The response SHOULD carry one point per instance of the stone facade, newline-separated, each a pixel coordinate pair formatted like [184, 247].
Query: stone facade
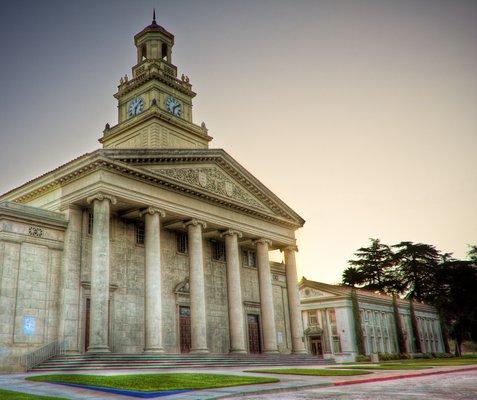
[327, 314]
[154, 243]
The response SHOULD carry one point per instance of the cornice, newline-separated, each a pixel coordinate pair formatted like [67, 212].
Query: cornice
[32, 214]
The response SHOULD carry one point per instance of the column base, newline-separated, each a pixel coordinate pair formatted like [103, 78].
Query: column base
[98, 350]
[271, 352]
[199, 351]
[238, 351]
[154, 350]
[299, 351]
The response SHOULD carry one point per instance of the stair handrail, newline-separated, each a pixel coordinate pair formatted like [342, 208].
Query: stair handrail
[37, 356]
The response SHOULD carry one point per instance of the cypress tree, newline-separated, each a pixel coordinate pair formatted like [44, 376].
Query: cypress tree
[415, 331]
[397, 321]
[357, 323]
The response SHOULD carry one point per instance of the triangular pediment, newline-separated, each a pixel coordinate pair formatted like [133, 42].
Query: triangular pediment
[309, 292]
[209, 174]
[212, 179]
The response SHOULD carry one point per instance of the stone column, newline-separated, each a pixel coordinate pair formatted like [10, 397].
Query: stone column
[99, 324]
[153, 286]
[296, 327]
[267, 313]
[234, 292]
[197, 288]
[70, 282]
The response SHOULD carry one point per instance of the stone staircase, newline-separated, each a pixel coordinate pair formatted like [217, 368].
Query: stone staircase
[145, 361]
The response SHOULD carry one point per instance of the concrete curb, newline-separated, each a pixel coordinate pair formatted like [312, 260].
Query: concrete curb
[342, 383]
[404, 376]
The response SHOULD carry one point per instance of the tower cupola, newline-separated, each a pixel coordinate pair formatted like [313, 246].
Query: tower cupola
[154, 43]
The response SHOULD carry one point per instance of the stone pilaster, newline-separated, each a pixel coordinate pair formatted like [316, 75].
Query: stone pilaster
[70, 282]
[197, 288]
[99, 324]
[234, 292]
[266, 297]
[153, 284]
[296, 327]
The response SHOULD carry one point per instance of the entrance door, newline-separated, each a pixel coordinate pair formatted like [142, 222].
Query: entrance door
[253, 334]
[184, 329]
[316, 346]
[86, 325]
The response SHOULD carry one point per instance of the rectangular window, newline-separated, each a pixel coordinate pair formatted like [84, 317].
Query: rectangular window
[249, 258]
[181, 242]
[218, 251]
[90, 223]
[312, 317]
[140, 233]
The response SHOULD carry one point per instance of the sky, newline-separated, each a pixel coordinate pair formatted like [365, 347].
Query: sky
[361, 115]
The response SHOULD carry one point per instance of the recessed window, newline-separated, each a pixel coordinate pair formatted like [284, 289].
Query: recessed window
[164, 51]
[249, 258]
[181, 242]
[140, 233]
[218, 251]
[312, 317]
[143, 52]
[90, 223]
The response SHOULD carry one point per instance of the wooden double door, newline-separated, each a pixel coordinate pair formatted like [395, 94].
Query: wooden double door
[253, 323]
[184, 329]
[316, 346]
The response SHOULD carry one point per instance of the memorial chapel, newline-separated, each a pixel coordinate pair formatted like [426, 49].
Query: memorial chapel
[154, 243]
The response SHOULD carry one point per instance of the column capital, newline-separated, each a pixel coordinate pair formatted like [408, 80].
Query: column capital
[231, 232]
[262, 241]
[100, 197]
[289, 248]
[195, 222]
[152, 211]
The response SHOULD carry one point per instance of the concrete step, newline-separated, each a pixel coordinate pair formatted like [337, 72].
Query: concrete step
[144, 361]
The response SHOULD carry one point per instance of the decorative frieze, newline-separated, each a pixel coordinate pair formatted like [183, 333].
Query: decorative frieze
[213, 180]
[35, 231]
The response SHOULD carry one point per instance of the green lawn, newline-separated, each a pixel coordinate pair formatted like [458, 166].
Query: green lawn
[310, 371]
[9, 395]
[435, 362]
[155, 382]
[385, 367]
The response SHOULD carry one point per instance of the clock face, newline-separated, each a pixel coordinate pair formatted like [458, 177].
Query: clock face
[135, 106]
[173, 106]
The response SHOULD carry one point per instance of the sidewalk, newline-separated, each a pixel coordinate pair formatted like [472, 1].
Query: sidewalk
[288, 383]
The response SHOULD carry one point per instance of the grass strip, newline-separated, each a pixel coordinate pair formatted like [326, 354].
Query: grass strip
[393, 367]
[11, 395]
[311, 371]
[155, 382]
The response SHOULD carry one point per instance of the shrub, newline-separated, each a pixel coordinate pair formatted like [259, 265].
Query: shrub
[393, 356]
[443, 355]
[361, 358]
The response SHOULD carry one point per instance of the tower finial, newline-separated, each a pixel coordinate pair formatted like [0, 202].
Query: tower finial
[154, 15]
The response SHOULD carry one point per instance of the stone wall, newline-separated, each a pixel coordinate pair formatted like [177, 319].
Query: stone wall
[30, 262]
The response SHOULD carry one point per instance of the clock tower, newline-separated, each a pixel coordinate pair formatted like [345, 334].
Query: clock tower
[154, 105]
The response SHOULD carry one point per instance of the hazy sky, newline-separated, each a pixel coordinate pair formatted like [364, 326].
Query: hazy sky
[361, 115]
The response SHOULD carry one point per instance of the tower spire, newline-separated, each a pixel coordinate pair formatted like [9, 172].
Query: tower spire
[154, 15]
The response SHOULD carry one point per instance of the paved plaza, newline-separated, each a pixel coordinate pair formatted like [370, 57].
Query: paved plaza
[455, 386]
[460, 384]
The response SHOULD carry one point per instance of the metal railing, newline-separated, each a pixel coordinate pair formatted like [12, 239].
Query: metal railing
[52, 349]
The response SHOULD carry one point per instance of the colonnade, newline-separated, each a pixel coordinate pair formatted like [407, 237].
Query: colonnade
[100, 271]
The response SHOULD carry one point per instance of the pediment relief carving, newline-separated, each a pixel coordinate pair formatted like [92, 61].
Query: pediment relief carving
[310, 292]
[210, 179]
